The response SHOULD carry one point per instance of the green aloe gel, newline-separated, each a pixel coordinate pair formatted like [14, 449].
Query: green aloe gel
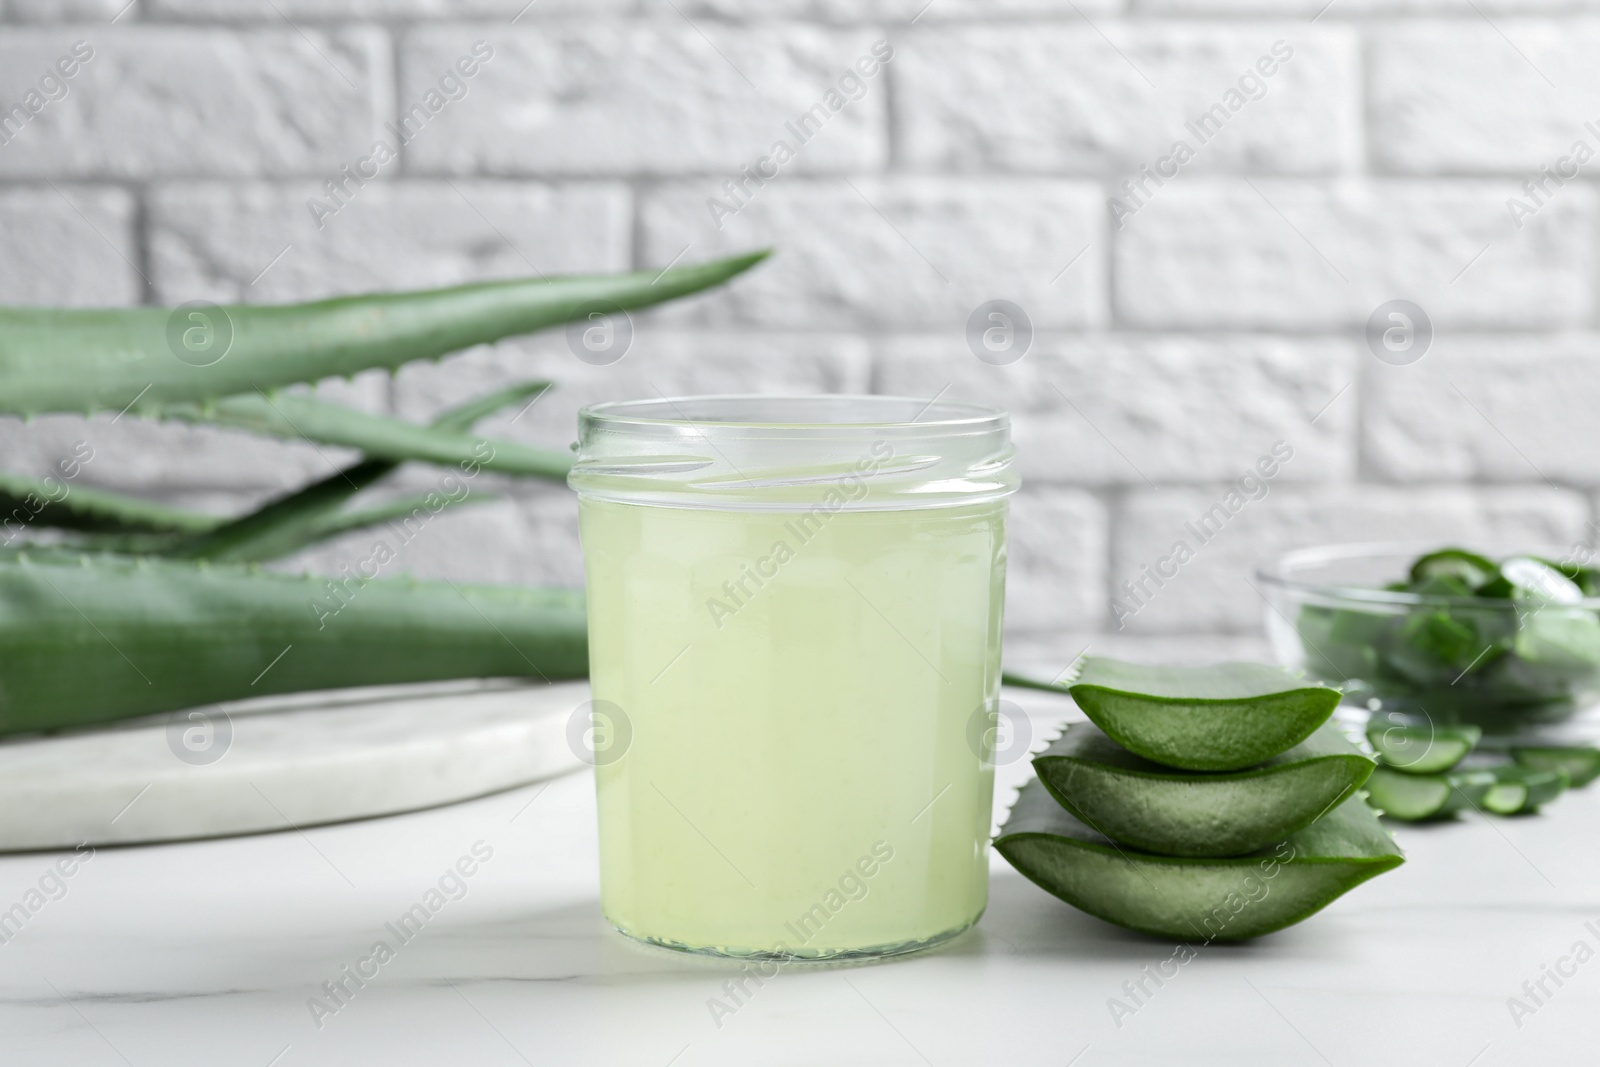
[1218, 718]
[1195, 899]
[1158, 809]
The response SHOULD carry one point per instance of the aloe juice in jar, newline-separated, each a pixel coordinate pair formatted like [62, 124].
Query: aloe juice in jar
[794, 657]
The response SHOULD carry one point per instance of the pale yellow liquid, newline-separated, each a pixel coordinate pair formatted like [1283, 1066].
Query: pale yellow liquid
[822, 731]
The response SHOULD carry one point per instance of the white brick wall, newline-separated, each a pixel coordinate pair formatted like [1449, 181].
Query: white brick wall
[1180, 331]
[651, 96]
[1477, 97]
[67, 245]
[898, 253]
[259, 242]
[1146, 409]
[171, 102]
[1244, 253]
[1131, 94]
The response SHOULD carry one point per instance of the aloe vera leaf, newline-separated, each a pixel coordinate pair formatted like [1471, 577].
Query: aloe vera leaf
[379, 436]
[1187, 898]
[1421, 749]
[276, 540]
[1468, 567]
[1587, 579]
[1506, 798]
[1581, 762]
[283, 525]
[107, 638]
[400, 508]
[1530, 578]
[1560, 640]
[83, 360]
[1179, 813]
[1518, 790]
[1218, 718]
[313, 513]
[1419, 797]
[1408, 797]
[66, 505]
[465, 416]
[1022, 681]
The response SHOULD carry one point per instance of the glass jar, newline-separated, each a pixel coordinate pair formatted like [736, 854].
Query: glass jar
[794, 640]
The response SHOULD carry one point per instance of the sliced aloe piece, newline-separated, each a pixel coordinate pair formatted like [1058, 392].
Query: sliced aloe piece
[1518, 790]
[1218, 718]
[1467, 567]
[1180, 813]
[1187, 898]
[1530, 578]
[1417, 797]
[1421, 749]
[1581, 762]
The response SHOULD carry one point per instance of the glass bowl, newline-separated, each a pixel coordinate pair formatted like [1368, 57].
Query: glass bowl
[1511, 666]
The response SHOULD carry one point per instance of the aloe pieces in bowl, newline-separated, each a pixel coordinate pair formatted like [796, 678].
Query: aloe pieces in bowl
[1225, 899]
[1501, 644]
[1178, 813]
[1422, 749]
[1222, 717]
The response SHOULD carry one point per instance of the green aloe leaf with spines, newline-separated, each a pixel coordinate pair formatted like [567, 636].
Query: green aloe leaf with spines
[1195, 899]
[1182, 813]
[414, 505]
[94, 639]
[64, 504]
[293, 417]
[316, 512]
[1221, 717]
[86, 360]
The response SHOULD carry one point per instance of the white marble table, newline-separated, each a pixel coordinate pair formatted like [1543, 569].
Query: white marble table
[207, 953]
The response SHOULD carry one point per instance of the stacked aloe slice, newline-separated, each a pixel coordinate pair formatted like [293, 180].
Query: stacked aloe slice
[1210, 803]
[1429, 772]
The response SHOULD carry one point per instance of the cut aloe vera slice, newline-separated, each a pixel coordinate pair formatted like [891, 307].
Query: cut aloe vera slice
[1218, 718]
[1418, 797]
[1470, 568]
[1421, 749]
[1181, 813]
[1195, 899]
[1581, 762]
[1517, 790]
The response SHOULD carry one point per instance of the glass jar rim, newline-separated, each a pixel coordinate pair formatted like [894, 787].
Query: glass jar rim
[754, 451]
[819, 413]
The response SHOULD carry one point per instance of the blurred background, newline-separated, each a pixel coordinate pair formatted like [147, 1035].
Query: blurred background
[1184, 242]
